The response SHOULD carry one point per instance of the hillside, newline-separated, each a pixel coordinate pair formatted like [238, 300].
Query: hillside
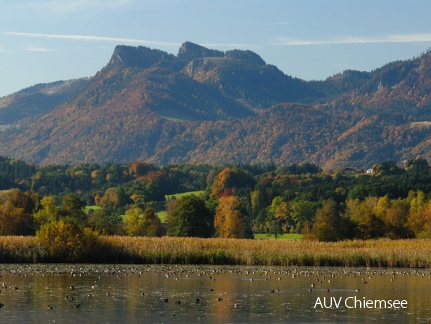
[37, 100]
[208, 106]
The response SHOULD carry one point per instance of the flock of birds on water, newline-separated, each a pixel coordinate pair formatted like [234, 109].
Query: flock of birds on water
[320, 278]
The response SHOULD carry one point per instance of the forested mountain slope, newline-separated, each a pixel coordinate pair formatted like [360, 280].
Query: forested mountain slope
[208, 106]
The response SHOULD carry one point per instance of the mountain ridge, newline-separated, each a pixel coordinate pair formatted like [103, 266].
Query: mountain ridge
[209, 106]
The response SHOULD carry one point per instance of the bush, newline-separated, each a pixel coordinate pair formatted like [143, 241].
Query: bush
[66, 241]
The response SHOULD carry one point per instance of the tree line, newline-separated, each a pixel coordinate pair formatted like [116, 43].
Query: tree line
[60, 202]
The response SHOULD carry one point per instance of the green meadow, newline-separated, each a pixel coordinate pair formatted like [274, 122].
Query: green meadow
[183, 194]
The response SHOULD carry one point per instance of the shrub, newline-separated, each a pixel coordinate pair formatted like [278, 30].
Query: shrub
[66, 241]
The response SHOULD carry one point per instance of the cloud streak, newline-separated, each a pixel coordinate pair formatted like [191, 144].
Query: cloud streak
[233, 45]
[88, 38]
[401, 38]
[91, 38]
[71, 5]
[279, 23]
[37, 49]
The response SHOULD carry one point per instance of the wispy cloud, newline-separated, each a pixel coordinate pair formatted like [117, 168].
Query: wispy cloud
[37, 49]
[230, 45]
[278, 23]
[91, 38]
[67, 6]
[400, 38]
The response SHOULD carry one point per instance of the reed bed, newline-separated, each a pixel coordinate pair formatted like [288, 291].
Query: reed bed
[177, 250]
[19, 249]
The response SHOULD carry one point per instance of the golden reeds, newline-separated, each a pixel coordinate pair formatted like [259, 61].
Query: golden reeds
[184, 250]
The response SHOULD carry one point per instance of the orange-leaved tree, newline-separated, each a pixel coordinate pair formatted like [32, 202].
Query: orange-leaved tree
[229, 220]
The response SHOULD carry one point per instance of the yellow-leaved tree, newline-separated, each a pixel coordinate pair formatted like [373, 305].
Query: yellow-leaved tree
[229, 221]
[142, 223]
[66, 241]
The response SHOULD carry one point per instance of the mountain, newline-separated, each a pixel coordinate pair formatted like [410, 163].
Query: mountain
[37, 100]
[208, 106]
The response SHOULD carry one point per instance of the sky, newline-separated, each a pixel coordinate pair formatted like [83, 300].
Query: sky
[49, 40]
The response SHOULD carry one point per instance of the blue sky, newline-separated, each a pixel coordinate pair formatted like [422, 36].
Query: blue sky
[49, 40]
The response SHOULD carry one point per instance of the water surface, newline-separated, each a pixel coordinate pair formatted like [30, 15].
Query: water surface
[208, 294]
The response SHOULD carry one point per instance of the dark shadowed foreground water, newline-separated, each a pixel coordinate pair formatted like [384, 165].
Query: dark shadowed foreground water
[207, 294]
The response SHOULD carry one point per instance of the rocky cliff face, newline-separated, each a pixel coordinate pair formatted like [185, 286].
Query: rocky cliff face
[141, 57]
[190, 51]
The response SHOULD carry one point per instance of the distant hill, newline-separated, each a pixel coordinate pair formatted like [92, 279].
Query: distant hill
[209, 106]
[37, 100]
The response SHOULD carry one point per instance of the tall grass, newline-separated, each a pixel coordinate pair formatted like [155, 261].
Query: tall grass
[20, 249]
[284, 236]
[177, 250]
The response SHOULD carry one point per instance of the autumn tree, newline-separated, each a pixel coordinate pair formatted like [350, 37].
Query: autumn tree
[328, 225]
[15, 213]
[48, 213]
[230, 179]
[419, 217]
[394, 214]
[190, 217]
[362, 214]
[279, 209]
[152, 223]
[139, 168]
[113, 199]
[66, 241]
[229, 220]
[133, 223]
[142, 223]
[72, 207]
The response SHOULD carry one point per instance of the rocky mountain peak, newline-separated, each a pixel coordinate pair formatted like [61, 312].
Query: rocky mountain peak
[142, 57]
[247, 56]
[190, 51]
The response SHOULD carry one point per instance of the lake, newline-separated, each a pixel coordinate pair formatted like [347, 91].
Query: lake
[58, 293]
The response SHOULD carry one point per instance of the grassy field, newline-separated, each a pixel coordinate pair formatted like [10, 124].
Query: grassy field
[88, 208]
[162, 215]
[183, 194]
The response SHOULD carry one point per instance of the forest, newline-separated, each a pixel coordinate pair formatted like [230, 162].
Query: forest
[236, 201]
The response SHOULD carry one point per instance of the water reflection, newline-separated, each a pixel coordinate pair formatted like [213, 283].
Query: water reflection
[180, 294]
